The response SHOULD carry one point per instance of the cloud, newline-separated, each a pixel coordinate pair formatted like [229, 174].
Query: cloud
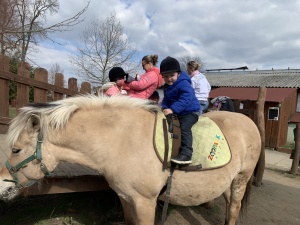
[223, 33]
[46, 57]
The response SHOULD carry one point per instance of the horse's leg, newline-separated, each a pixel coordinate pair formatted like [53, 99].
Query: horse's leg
[238, 188]
[145, 210]
[208, 205]
[226, 196]
[128, 210]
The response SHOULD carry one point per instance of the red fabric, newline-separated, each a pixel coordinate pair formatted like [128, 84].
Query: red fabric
[147, 84]
[160, 80]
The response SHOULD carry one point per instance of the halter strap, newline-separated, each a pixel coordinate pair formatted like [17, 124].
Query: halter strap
[36, 155]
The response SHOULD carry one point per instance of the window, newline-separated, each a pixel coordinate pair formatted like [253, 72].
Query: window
[273, 113]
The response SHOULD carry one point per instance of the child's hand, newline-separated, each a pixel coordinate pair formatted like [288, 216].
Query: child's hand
[167, 111]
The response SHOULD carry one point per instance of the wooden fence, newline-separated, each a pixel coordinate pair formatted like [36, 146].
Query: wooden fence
[40, 85]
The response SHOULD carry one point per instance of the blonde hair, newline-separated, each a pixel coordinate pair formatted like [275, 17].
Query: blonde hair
[151, 58]
[194, 65]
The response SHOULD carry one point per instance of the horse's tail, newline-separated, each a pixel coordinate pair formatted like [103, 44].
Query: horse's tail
[246, 197]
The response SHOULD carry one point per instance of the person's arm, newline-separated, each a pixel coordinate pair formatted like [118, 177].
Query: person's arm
[185, 97]
[145, 81]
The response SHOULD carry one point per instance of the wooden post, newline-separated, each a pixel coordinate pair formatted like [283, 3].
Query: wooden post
[4, 95]
[23, 89]
[260, 122]
[85, 88]
[296, 158]
[4, 88]
[59, 82]
[72, 84]
[40, 95]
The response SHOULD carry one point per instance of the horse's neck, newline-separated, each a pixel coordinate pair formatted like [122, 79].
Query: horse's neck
[64, 151]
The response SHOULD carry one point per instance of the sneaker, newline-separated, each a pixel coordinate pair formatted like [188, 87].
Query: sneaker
[181, 159]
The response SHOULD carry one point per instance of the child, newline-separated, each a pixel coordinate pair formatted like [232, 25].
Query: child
[180, 99]
[154, 97]
[200, 84]
[111, 88]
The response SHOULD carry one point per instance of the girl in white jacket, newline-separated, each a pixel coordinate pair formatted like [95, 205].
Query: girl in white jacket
[200, 84]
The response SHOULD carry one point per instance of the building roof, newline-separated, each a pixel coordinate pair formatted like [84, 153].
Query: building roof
[295, 118]
[272, 95]
[289, 78]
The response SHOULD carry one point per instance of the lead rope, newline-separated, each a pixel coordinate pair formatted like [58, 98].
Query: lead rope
[166, 203]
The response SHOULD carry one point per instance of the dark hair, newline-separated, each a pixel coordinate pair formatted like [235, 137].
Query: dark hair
[154, 95]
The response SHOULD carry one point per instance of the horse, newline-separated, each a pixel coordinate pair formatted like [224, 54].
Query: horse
[114, 135]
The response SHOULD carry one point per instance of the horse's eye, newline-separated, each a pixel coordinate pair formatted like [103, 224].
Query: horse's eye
[15, 150]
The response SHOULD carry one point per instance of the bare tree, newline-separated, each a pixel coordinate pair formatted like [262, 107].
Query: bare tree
[7, 22]
[55, 68]
[103, 46]
[27, 23]
[185, 59]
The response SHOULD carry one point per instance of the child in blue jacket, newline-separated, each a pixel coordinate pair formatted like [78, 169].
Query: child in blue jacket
[180, 99]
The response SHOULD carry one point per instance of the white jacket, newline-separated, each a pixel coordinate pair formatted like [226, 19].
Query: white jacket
[201, 86]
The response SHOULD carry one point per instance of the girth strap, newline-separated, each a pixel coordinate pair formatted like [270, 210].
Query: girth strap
[165, 163]
[166, 203]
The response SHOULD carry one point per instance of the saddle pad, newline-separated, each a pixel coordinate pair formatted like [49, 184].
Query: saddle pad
[210, 147]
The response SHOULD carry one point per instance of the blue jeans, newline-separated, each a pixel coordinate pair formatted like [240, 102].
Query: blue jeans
[203, 106]
[186, 123]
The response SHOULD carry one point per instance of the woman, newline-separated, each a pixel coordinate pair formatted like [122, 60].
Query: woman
[148, 82]
[200, 84]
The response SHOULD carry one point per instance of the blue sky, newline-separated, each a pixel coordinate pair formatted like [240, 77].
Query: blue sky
[223, 33]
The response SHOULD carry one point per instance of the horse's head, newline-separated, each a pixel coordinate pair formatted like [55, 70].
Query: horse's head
[26, 164]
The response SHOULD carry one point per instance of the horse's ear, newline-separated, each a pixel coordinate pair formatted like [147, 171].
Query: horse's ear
[34, 122]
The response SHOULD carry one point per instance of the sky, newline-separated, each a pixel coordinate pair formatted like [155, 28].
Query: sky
[223, 33]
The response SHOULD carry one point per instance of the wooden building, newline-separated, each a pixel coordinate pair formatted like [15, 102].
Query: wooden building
[281, 104]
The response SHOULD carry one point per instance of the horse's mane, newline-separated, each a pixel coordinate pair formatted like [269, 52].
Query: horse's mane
[55, 115]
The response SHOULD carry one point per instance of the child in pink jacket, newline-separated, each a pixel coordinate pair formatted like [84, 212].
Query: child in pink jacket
[111, 88]
[148, 82]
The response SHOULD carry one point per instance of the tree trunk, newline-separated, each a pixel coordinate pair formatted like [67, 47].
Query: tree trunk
[260, 122]
[296, 158]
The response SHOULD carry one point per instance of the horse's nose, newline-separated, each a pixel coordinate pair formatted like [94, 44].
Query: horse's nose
[5, 194]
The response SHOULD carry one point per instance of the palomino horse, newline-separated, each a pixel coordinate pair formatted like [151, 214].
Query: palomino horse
[115, 137]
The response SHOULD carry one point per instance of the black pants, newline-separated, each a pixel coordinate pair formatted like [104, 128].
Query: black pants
[186, 123]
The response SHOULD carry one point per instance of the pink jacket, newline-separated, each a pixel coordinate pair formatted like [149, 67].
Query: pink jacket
[111, 89]
[146, 85]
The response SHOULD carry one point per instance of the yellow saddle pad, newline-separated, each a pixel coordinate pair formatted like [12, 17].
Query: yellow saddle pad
[210, 147]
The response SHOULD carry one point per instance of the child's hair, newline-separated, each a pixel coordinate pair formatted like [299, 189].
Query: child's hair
[154, 96]
[151, 58]
[194, 65]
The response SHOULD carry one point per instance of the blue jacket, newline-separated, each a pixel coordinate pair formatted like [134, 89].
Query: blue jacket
[180, 96]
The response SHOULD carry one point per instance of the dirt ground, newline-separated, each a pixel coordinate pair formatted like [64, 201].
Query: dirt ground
[276, 202]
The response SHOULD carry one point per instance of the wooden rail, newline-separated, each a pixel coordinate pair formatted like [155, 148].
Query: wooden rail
[40, 85]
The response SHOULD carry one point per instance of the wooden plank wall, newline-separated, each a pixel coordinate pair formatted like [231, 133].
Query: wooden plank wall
[288, 108]
[275, 131]
[40, 85]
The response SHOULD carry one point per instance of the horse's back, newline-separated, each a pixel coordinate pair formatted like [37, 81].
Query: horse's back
[241, 133]
[232, 123]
